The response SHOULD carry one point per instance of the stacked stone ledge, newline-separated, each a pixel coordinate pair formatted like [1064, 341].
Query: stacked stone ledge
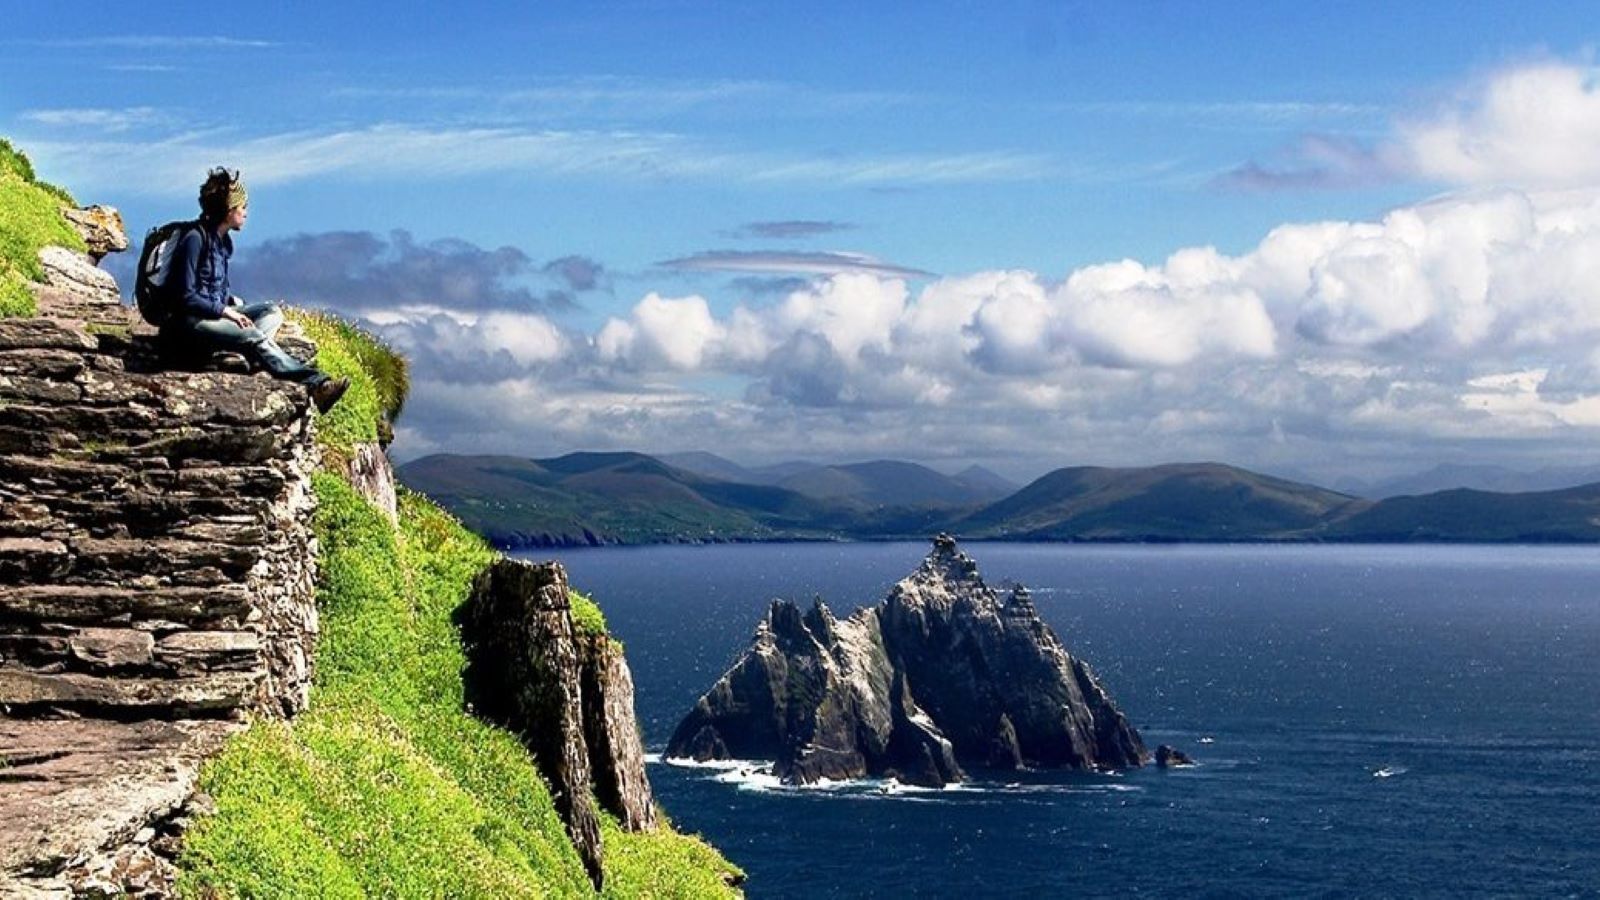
[157, 572]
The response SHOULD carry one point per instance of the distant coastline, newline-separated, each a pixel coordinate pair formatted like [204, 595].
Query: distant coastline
[633, 499]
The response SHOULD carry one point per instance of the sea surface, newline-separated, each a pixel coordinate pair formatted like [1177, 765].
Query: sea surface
[1368, 720]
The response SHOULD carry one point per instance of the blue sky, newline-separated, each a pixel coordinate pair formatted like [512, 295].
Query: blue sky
[781, 230]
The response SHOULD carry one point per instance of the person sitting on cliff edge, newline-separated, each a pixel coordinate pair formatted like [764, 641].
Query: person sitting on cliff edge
[209, 317]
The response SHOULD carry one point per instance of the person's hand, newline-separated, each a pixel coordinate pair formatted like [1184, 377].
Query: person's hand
[237, 318]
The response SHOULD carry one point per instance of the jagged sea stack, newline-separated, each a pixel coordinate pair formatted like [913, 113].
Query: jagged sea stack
[942, 674]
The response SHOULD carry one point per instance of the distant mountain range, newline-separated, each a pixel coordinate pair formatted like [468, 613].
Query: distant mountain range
[883, 482]
[632, 498]
[1500, 479]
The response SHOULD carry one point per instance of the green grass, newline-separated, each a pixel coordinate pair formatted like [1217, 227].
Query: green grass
[661, 865]
[378, 380]
[386, 786]
[586, 615]
[30, 219]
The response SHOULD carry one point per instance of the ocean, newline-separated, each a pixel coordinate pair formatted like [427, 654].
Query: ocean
[1367, 720]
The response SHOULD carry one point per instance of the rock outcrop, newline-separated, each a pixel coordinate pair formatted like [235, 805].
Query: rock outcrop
[942, 674]
[157, 573]
[102, 229]
[568, 695]
[1170, 757]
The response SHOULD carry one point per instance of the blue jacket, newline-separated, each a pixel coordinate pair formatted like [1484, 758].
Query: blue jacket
[200, 263]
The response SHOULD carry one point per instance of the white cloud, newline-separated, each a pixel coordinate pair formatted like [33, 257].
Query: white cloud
[1532, 126]
[1127, 314]
[1462, 322]
[661, 333]
[108, 120]
[531, 340]
[853, 312]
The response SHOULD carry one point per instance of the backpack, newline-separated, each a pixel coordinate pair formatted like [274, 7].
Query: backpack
[150, 288]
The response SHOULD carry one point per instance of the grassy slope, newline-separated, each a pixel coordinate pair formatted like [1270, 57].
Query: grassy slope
[387, 786]
[1199, 501]
[30, 219]
[627, 498]
[1569, 514]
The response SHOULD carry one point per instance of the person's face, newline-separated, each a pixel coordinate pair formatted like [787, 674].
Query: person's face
[237, 217]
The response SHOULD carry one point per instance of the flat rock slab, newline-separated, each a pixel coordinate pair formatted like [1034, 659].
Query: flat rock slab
[69, 787]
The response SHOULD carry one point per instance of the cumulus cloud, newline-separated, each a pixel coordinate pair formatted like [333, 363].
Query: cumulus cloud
[1536, 126]
[1532, 126]
[488, 348]
[1462, 322]
[661, 333]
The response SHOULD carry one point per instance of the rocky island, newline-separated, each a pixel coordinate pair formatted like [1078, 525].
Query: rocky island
[943, 674]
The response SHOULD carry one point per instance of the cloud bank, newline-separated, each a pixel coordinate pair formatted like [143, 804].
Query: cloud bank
[1463, 327]
[1460, 325]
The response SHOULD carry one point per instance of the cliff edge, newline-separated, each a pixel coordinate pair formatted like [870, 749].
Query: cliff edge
[228, 663]
[157, 575]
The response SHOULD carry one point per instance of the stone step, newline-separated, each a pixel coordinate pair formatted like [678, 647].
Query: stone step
[44, 333]
[36, 476]
[124, 561]
[223, 606]
[42, 362]
[130, 651]
[145, 515]
[22, 690]
[77, 785]
[196, 445]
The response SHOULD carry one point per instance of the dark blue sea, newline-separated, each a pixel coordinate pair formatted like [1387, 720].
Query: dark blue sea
[1396, 720]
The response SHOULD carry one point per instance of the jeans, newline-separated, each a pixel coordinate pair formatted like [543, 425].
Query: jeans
[255, 342]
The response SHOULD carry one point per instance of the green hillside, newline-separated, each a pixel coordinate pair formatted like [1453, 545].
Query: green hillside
[30, 220]
[1188, 501]
[1463, 515]
[632, 498]
[587, 498]
[387, 786]
[887, 482]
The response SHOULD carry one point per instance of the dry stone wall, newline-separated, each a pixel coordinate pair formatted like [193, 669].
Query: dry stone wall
[157, 572]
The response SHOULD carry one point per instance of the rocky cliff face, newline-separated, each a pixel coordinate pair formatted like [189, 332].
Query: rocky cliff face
[569, 695]
[156, 578]
[942, 674]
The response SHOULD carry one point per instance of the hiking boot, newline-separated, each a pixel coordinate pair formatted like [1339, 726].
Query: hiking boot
[326, 394]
